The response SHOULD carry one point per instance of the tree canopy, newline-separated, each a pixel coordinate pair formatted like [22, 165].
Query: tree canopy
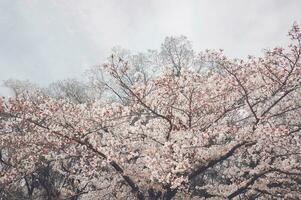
[160, 125]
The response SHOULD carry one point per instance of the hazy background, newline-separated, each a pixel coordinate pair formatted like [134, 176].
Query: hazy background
[46, 40]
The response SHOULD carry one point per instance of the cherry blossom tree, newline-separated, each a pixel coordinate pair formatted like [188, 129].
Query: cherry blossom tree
[232, 132]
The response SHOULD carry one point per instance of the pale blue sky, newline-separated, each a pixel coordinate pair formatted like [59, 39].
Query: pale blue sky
[47, 40]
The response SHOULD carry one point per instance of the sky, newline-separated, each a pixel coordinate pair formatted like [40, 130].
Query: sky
[48, 40]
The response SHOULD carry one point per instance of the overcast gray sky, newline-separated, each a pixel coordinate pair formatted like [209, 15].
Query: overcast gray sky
[47, 40]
